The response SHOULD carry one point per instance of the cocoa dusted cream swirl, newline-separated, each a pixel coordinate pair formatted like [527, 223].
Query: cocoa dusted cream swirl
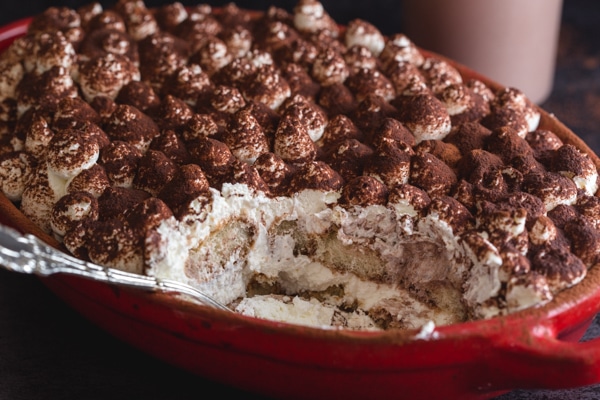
[291, 168]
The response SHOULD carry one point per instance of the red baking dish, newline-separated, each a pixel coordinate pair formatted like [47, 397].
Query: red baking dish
[535, 348]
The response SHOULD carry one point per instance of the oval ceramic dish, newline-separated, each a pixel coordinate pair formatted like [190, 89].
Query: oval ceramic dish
[535, 348]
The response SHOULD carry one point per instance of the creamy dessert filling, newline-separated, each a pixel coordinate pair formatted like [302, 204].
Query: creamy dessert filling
[290, 168]
[373, 261]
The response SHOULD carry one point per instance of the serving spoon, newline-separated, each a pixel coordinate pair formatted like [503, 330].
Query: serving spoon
[30, 255]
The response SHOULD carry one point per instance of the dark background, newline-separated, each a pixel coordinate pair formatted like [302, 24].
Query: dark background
[47, 351]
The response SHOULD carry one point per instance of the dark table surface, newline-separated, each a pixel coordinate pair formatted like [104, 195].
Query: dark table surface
[47, 351]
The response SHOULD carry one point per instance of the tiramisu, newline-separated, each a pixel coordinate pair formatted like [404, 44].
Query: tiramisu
[291, 168]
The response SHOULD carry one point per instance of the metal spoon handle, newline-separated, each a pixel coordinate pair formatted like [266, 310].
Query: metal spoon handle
[28, 254]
